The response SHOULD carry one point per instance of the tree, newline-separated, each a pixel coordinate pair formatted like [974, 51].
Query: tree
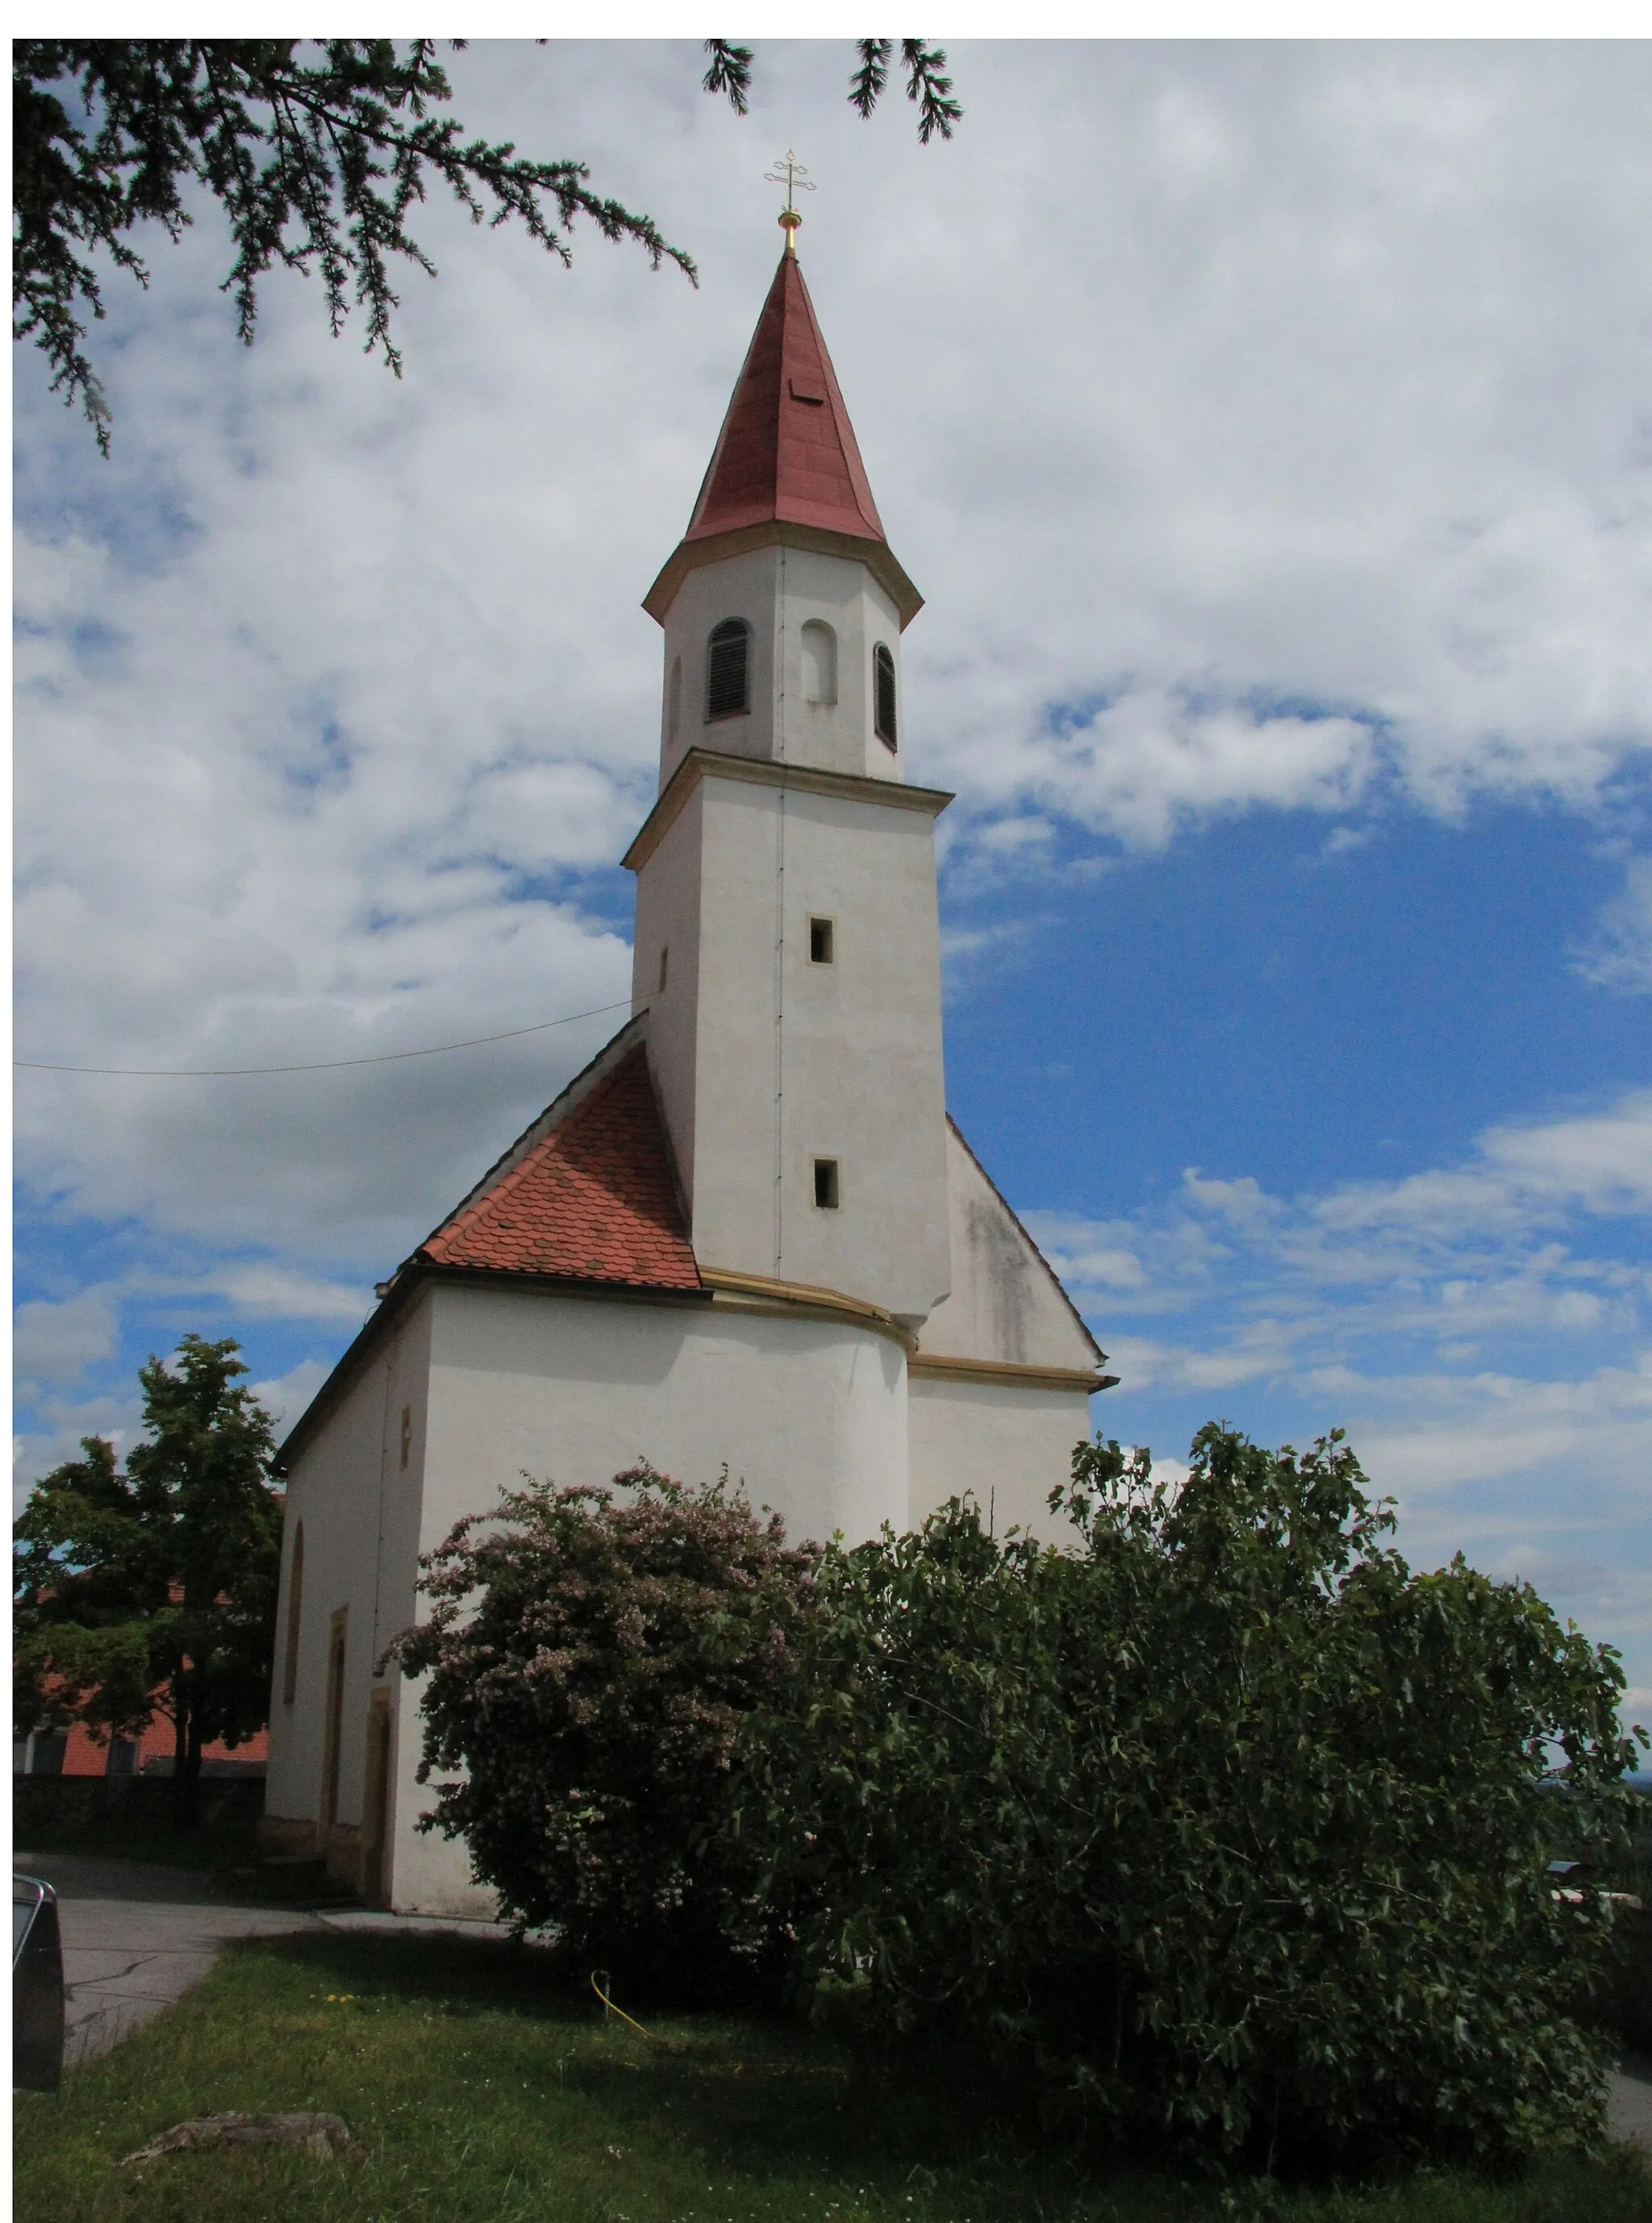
[592, 1658]
[1220, 1822]
[315, 163]
[158, 1585]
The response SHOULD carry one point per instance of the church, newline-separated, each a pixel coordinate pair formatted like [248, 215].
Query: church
[746, 1236]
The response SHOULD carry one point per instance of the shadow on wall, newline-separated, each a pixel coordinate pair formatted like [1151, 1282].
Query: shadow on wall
[996, 1245]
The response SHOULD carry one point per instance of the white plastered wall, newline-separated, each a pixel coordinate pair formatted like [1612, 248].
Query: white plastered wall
[1007, 1446]
[810, 1415]
[1005, 1304]
[777, 591]
[668, 924]
[360, 1510]
[766, 1061]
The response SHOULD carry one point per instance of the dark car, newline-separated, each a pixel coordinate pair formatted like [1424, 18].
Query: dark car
[36, 1986]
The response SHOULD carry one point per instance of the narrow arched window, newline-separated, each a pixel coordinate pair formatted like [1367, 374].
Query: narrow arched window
[819, 663]
[674, 699]
[294, 1608]
[883, 685]
[727, 689]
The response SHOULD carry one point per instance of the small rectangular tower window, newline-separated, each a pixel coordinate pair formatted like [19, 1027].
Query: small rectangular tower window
[826, 1184]
[820, 941]
[407, 1436]
[664, 966]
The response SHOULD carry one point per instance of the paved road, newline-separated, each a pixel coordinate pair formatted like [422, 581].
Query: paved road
[136, 1937]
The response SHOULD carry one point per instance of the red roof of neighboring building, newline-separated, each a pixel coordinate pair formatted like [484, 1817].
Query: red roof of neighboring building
[786, 450]
[594, 1199]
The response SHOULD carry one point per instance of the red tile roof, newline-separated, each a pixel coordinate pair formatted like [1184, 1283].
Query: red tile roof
[786, 450]
[592, 1201]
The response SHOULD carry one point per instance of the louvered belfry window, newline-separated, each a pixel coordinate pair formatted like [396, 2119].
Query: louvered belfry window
[726, 687]
[883, 681]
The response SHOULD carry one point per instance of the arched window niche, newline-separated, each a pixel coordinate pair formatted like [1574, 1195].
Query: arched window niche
[294, 1610]
[883, 691]
[819, 663]
[674, 699]
[727, 676]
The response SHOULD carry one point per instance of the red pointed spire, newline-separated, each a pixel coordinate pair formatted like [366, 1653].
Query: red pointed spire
[786, 451]
[786, 468]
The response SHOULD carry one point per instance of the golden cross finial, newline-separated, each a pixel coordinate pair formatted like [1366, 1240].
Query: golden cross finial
[789, 172]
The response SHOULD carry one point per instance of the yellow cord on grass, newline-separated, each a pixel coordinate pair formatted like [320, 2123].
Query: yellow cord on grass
[612, 2009]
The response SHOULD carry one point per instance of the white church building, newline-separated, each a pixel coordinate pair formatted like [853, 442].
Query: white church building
[747, 1236]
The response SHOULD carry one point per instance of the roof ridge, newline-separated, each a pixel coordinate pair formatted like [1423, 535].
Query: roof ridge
[469, 1213]
[542, 1123]
[589, 1193]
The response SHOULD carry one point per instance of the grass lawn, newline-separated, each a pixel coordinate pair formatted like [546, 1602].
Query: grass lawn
[484, 2092]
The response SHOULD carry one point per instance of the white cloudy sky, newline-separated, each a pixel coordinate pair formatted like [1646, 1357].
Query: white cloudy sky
[1269, 427]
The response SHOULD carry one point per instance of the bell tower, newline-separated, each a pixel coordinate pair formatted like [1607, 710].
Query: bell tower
[787, 940]
[783, 605]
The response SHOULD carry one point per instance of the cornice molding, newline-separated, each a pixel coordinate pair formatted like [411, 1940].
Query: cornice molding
[763, 771]
[781, 532]
[760, 1293]
[939, 1366]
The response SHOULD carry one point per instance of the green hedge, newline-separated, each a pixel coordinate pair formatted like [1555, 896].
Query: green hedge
[1218, 1824]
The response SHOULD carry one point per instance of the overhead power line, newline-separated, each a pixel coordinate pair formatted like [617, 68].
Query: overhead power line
[321, 1065]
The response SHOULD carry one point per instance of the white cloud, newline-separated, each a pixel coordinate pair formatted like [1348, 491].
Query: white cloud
[287, 1396]
[267, 1292]
[1599, 1164]
[1302, 454]
[1620, 954]
[1152, 759]
[58, 1342]
[1484, 1331]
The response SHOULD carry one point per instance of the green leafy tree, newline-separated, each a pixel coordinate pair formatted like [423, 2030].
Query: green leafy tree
[158, 1584]
[592, 1660]
[1222, 1823]
[316, 150]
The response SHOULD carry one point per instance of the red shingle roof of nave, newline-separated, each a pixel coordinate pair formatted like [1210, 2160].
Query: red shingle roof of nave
[593, 1200]
[786, 449]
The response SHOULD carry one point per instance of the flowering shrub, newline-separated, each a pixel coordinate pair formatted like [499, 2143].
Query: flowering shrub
[592, 1656]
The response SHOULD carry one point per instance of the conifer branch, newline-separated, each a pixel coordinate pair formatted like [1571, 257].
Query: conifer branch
[869, 80]
[730, 72]
[937, 110]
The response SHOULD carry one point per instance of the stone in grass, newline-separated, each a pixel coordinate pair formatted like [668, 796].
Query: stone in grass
[322, 2136]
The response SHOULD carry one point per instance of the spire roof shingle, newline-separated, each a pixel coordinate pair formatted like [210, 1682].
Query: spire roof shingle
[786, 451]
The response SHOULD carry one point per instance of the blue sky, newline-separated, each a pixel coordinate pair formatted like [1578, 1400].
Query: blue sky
[1269, 429]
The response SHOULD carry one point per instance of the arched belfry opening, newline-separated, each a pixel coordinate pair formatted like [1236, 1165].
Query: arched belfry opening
[727, 670]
